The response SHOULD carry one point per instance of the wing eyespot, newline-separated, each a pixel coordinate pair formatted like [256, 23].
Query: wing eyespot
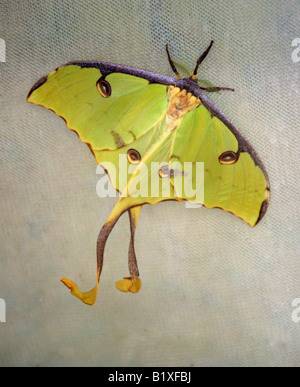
[164, 171]
[103, 87]
[133, 156]
[228, 158]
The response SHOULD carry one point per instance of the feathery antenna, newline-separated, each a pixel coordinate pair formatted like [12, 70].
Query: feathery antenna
[200, 60]
[172, 64]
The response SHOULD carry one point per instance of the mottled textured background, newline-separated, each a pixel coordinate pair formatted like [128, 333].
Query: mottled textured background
[215, 292]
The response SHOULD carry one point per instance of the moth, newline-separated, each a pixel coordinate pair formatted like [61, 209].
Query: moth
[151, 119]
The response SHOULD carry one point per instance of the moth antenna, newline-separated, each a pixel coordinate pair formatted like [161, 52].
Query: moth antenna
[201, 59]
[172, 64]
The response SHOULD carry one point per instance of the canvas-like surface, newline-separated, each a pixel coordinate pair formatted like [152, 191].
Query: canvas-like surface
[214, 291]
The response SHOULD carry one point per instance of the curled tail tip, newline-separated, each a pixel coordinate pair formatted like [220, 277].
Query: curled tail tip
[88, 298]
[128, 284]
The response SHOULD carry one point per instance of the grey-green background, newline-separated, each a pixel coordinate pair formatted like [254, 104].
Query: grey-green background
[215, 292]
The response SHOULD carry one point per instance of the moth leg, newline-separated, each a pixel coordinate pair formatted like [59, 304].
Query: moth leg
[132, 283]
[215, 89]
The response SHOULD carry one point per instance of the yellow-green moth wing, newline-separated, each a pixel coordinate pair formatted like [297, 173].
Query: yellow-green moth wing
[234, 179]
[107, 112]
